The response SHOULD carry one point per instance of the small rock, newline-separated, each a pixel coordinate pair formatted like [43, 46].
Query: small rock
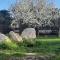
[15, 36]
[3, 37]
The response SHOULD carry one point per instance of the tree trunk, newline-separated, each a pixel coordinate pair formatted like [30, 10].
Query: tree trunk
[59, 32]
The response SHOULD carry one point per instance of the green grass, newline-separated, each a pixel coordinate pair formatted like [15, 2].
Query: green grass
[45, 45]
[40, 45]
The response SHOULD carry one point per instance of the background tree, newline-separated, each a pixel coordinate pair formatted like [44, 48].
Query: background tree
[33, 14]
[5, 20]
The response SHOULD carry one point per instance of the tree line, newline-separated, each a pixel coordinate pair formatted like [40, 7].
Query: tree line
[33, 13]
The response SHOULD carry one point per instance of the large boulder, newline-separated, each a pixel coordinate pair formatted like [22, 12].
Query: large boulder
[29, 33]
[15, 36]
[6, 41]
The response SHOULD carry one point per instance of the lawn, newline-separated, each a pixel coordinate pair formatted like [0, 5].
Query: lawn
[39, 45]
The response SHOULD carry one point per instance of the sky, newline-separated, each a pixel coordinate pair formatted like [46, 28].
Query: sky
[5, 4]
[57, 3]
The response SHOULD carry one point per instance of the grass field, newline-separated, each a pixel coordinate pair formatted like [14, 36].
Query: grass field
[39, 45]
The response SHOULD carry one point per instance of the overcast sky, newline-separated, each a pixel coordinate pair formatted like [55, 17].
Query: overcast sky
[5, 4]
